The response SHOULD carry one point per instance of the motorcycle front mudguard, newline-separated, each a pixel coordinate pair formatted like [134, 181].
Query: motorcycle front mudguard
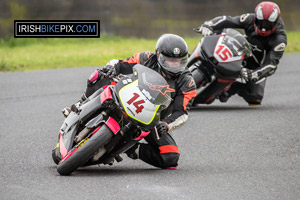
[84, 151]
[88, 147]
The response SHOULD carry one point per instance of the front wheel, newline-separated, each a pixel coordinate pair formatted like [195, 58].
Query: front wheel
[54, 156]
[84, 151]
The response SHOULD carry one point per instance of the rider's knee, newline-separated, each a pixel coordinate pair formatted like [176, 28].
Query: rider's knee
[253, 98]
[169, 160]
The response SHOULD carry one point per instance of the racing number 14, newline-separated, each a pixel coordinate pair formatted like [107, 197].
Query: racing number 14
[137, 104]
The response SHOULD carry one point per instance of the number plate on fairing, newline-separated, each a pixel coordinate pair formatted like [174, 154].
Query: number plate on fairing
[223, 54]
[136, 104]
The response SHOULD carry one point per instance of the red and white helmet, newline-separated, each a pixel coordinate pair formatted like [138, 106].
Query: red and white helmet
[266, 18]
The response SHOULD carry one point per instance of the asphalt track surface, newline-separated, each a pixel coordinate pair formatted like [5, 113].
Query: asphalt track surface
[228, 151]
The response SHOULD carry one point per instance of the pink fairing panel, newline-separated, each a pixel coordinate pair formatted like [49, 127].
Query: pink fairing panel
[106, 94]
[142, 136]
[62, 148]
[94, 76]
[113, 125]
[68, 155]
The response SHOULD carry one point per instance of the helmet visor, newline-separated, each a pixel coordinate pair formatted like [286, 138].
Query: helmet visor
[173, 65]
[265, 24]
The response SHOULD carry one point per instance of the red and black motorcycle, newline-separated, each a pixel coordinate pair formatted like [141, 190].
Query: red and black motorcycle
[111, 120]
[216, 63]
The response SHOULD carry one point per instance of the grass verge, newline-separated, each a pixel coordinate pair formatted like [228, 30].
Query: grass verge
[24, 54]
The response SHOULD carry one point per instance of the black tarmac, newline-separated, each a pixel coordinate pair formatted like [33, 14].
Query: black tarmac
[228, 151]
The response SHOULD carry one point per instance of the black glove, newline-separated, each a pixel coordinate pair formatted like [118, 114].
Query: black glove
[162, 128]
[109, 70]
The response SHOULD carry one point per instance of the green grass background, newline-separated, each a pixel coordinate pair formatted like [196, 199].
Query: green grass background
[22, 54]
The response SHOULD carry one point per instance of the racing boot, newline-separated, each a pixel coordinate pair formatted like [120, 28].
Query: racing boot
[133, 152]
[224, 97]
[234, 89]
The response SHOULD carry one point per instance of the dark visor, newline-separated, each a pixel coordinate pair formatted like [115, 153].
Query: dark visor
[265, 24]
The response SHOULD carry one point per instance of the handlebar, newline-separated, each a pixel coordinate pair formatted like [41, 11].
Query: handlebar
[115, 79]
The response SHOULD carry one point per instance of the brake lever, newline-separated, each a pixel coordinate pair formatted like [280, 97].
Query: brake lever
[156, 133]
[115, 79]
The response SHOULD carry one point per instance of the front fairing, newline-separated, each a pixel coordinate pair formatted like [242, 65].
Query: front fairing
[143, 95]
[228, 56]
[229, 70]
[67, 132]
[71, 124]
[217, 55]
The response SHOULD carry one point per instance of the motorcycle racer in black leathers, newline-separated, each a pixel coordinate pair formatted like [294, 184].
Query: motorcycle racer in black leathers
[265, 32]
[170, 60]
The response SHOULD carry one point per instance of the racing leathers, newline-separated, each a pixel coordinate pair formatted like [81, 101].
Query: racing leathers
[267, 51]
[162, 152]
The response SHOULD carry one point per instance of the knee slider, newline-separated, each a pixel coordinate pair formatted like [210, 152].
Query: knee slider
[169, 160]
[253, 99]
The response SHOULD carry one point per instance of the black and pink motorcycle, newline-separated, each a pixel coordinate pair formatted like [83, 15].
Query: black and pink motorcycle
[216, 63]
[111, 120]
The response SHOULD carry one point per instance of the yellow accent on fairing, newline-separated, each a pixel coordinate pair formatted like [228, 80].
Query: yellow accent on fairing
[130, 85]
[82, 142]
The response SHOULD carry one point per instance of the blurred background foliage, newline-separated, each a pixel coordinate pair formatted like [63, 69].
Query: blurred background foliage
[138, 18]
[127, 27]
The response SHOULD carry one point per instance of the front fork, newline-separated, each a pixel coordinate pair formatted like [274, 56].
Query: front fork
[121, 143]
[201, 75]
[130, 141]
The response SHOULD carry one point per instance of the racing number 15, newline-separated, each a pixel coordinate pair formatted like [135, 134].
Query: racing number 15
[224, 54]
[137, 104]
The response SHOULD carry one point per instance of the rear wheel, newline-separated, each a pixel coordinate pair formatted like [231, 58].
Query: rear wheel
[84, 151]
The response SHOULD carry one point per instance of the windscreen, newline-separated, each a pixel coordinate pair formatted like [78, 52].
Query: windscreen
[154, 87]
[236, 42]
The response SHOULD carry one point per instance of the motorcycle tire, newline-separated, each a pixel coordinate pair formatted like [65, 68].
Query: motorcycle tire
[54, 157]
[79, 156]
